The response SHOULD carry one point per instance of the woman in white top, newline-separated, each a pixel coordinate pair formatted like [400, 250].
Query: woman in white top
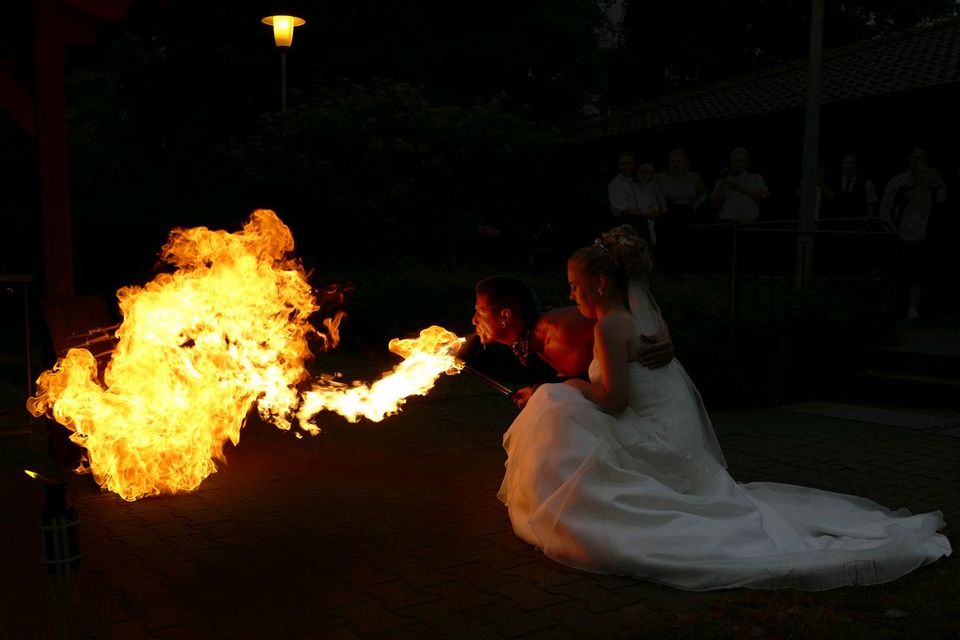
[684, 191]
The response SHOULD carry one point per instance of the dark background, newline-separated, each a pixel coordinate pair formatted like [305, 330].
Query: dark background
[413, 124]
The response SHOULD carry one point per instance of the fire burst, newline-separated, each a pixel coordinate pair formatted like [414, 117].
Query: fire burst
[425, 359]
[197, 349]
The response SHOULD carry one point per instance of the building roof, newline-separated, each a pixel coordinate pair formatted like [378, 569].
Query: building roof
[920, 57]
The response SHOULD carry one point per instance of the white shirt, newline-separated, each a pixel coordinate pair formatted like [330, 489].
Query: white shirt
[737, 205]
[622, 194]
[916, 211]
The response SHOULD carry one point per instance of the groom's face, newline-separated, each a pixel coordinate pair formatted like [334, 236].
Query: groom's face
[486, 318]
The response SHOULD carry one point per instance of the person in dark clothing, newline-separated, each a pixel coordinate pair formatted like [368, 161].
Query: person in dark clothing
[849, 194]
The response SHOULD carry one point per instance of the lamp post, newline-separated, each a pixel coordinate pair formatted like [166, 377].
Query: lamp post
[283, 26]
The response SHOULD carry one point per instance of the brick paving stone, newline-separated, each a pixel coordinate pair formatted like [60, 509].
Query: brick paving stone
[243, 542]
[383, 558]
[99, 553]
[545, 575]
[462, 594]
[141, 594]
[128, 630]
[497, 558]
[181, 572]
[194, 630]
[127, 528]
[268, 529]
[102, 611]
[162, 615]
[332, 595]
[192, 542]
[371, 617]
[417, 632]
[121, 570]
[404, 541]
[419, 575]
[439, 617]
[577, 619]
[364, 574]
[613, 582]
[554, 633]
[173, 526]
[220, 529]
[272, 556]
[589, 592]
[215, 559]
[111, 514]
[255, 630]
[443, 557]
[202, 516]
[306, 621]
[398, 594]
[487, 632]
[509, 620]
[480, 573]
[345, 632]
[525, 595]
[140, 541]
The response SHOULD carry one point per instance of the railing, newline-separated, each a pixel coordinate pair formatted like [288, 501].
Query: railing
[882, 257]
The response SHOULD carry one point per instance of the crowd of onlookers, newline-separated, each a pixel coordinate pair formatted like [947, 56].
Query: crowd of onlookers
[663, 206]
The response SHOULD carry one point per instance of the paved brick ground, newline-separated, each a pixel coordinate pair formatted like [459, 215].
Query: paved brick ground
[393, 530]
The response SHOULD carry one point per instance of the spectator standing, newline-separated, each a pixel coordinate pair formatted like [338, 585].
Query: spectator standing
[849, 194]
[652, 203]
[624, 197]
[684, 192]
[738, 193]
[908, 202]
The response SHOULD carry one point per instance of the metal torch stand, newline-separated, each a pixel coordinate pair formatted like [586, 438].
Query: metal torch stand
[60, 558]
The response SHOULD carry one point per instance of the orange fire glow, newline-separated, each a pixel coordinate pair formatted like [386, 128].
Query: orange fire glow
[425, 358]
[196, 350]
[200, 347]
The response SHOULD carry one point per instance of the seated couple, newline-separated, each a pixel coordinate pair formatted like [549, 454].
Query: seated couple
[550, 345]
[622, 473]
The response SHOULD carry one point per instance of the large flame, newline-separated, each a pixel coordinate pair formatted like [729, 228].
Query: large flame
[199, 347]
[425, 358]
[196, 350]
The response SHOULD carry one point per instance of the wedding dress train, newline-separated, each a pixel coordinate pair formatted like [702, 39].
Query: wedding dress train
[646, 494]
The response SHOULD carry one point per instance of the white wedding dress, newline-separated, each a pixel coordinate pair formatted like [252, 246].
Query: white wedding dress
[647, 494]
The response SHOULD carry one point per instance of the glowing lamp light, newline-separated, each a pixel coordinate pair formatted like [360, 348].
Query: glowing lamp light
[283, 27]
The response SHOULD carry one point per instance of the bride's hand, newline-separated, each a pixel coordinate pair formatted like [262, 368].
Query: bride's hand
[577, 383]
[522, 396]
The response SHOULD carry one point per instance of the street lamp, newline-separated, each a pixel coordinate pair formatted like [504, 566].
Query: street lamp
[283, 26]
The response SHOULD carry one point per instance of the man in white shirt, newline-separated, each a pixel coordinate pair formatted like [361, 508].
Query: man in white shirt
[625, 198]
[738, 193]
[908, 202]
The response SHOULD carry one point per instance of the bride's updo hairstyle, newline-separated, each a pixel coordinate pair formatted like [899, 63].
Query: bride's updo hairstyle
[620, 254]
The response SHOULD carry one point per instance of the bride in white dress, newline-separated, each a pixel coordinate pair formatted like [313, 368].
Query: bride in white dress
[623, 474]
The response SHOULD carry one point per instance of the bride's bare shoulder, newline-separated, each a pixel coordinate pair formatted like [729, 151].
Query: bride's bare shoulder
[618, 322]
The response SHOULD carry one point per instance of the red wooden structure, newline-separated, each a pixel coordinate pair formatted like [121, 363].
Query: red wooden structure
[43, 115]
